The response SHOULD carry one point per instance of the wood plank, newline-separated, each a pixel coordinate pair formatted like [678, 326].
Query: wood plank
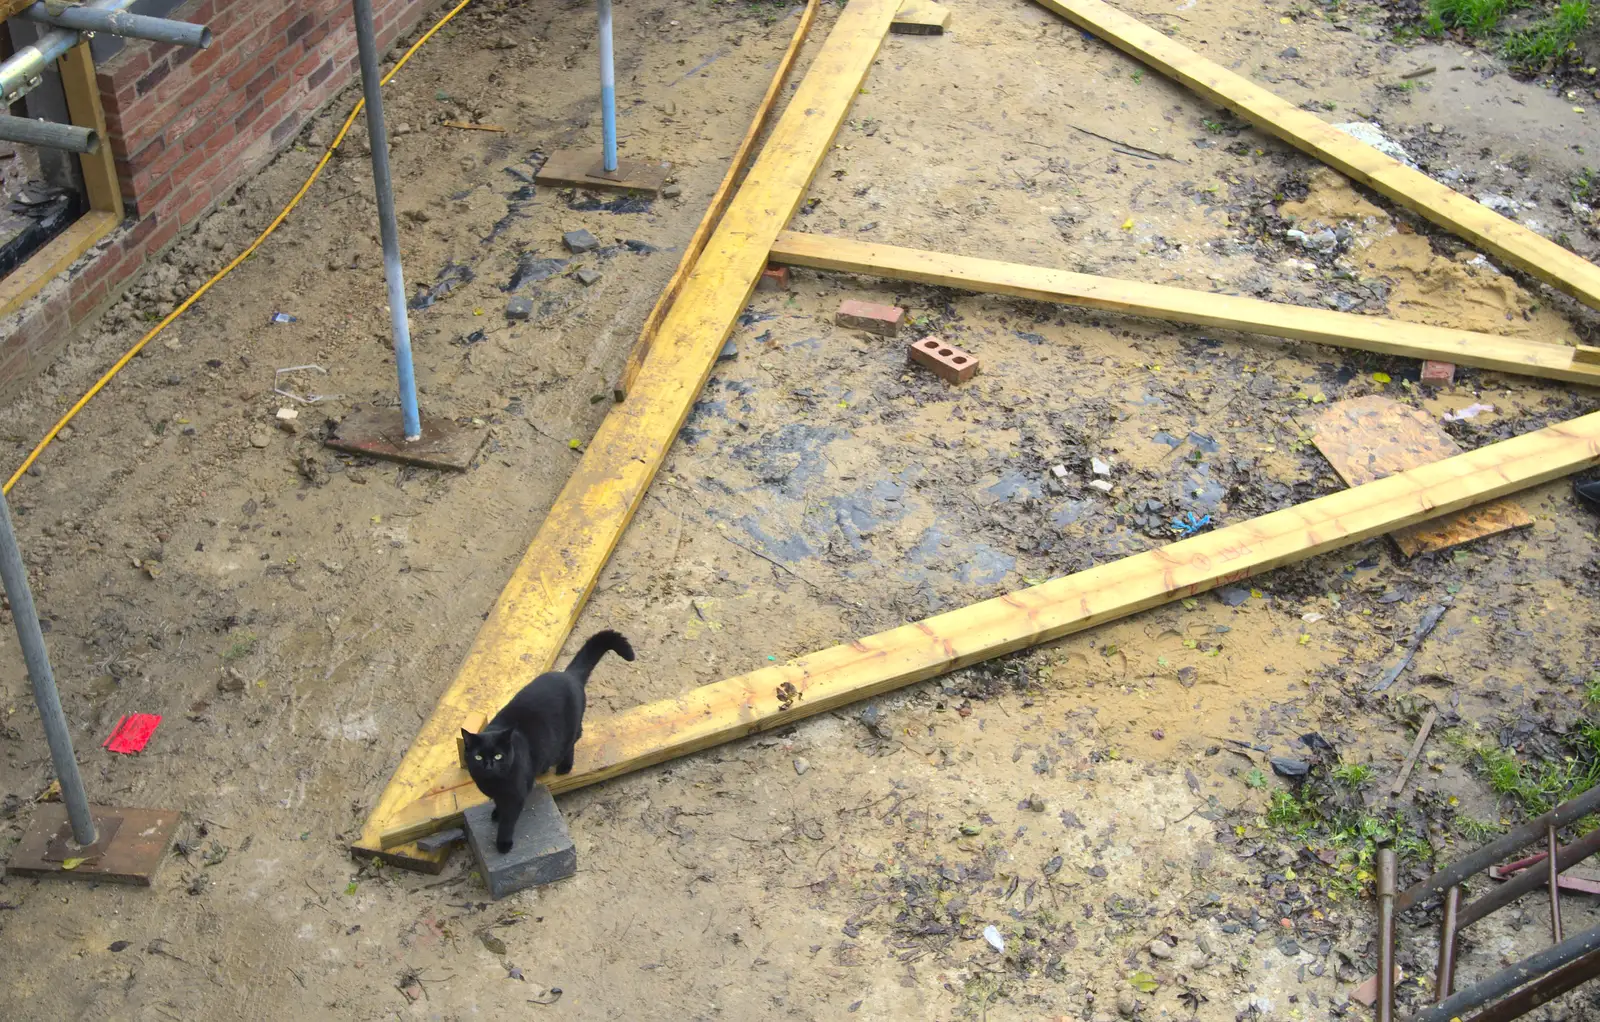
[525, 631]
[1371, 437]
[46, 264]
[83, 106]
[1506, 240]
[775, 696]
[719, 202]
[921, 17]
[1180, 305]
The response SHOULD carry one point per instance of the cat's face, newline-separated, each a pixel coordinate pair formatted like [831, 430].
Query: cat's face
[490, 754]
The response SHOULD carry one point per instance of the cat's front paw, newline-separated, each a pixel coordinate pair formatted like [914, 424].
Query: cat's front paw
[503, 846]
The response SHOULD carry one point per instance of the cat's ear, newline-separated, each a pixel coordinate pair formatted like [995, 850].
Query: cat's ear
[468, 735]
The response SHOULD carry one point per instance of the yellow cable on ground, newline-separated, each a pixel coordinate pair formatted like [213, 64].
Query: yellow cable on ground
[241, 257]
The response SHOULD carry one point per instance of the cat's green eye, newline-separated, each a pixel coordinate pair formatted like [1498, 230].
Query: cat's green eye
[497, 757]
[478, 756]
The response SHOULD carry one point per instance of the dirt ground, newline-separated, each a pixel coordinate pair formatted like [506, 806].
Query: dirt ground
[1083, 831]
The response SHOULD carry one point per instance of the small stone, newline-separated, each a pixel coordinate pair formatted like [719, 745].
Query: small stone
[231, 681]
[1290, 54]
[287, 414]
[65, 433]
[580, 241]
[519, 309]
[587, 275]
[1285, 766]
[1059, 471]
[1101, 468]
[1038, 803]
[1230, 927]
[505, 42]
[672, 191]
[1103, 485]
[417, 216]
[1160, 949]
[469, 163]
[801, 764]
[259, 439]
[1127, 1004]
[991, 933]
[1436, 128]
[729, 352]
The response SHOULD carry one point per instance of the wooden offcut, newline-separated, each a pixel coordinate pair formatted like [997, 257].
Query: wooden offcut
[1372, 437]
[719, 202]
[528, 625]
[1180, 305]
[130, 845]
[1505, 239]
[380, 433]
[584, 168]
[779, 695]
[921, 17]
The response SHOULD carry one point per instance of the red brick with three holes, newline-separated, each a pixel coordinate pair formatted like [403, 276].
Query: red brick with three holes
[949, 361]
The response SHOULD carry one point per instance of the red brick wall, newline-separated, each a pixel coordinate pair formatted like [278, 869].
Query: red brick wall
[187, 128]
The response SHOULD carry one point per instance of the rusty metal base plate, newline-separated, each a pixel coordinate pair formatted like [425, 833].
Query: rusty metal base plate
[583, 168]
[128, 849]
[377, 433]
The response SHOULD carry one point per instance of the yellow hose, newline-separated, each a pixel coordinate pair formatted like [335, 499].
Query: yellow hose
[241, 257]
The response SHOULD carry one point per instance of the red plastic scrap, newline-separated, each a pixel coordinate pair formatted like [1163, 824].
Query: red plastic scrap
[132, 732]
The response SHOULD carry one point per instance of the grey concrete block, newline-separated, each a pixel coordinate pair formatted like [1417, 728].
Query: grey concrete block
[519, 308]
[541, 853]
[587, 275]
[580, 241]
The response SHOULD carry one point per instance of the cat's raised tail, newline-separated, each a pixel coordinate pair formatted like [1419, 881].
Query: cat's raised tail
[599, 644]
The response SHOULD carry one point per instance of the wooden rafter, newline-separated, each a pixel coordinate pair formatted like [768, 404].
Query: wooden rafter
[826, 680]
[1180, 305]
[1506, 239]
[528, 625]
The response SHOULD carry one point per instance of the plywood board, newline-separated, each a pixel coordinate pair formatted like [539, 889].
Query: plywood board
[1180, 305]
[1505, 239]
[528, 625]
[775, 696]
[1373, 437]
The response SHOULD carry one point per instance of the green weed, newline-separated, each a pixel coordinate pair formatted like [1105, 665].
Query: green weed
[1352, 775]
[242, 646]
[1591, 689]
[1285, 811]
[1475, 830]
[1545, 43]
[1474, 17]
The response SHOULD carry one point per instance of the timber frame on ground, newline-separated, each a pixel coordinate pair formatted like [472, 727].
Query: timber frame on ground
[678, 347]
[103, 190]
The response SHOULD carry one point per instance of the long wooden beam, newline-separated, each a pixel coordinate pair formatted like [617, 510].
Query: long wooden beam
[719, 202]
[775, 696]
[1507, 240]
[528, 625]
[1250, 315]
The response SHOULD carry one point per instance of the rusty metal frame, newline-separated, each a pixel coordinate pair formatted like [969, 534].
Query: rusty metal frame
[1517, 989]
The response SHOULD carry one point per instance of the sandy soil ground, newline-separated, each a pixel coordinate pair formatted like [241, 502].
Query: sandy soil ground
[293, 614]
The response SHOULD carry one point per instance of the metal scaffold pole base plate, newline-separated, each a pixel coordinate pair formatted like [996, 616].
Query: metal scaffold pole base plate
[377, 433]
[585, 168]
[128, 849]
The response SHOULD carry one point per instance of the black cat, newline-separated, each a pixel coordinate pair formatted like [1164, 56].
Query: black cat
[534, 732]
